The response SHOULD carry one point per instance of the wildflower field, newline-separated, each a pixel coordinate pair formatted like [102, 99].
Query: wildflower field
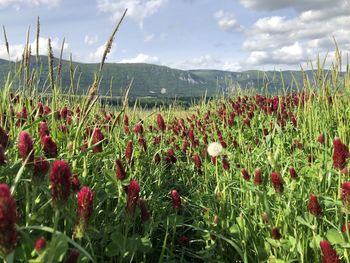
[245, 178]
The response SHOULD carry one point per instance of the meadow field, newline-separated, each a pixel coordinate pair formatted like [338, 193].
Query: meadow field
[240, 178]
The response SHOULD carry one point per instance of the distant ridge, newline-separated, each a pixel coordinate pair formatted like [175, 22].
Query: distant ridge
[151, 80]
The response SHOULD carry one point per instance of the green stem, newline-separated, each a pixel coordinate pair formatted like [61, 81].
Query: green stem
[34, 188]
[27, 204]
[217, 175]
[164, 242]
[56, 219]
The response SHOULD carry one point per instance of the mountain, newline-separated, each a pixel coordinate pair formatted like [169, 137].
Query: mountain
[160, 81]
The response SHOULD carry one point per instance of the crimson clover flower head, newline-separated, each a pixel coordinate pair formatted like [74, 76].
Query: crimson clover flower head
[314, 206]
[161, 123]
[43, 130]
[343, 229]
[321, 138]
[41, 168]
[145, 215]
[184, 241]
[198, 163]
[40, 244]
[49, 147]
[85, 198]
[133, 195]
[3, 138]
[225, 163]
[329, 255]
[73, 256]
[121, 174]
[257, 176]
[277, 182]
[345, 194]
[8, 233]
[75, 183]
[293, 173]
[245, 174]
[25, 146]
[96, 138]
[129, 151]
[61, 183]
[276, 233]
[340, 154]
[176, 199]
[2, 156]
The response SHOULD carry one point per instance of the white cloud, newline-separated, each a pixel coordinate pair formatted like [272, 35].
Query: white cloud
[149, 38]
[226, 21]
[56, 45]
[336, 10]
[142, 58]
[18, 3]
[232, 66]
[290, 41]
[299, 5]
[275, 25]
[137, 9]
[16, 50]
[202, 62]
[209, 62]
[96, 56]
[279, 40]
[90, 40]
[292, 54]
[257, 57]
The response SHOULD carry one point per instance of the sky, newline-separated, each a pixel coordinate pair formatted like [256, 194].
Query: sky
[233, 35]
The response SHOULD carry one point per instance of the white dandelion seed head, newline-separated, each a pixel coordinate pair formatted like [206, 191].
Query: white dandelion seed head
[214, 149]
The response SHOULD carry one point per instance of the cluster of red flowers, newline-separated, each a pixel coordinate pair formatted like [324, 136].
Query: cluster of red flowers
[85, 198]
[49, 147]
[276, 233]
[134, 201]
[225, 163]
[340, 154]
[176, 199]
[314, 206]
[133, 192]
[245, 174]
[8, 233]
[3, 138]
[277, 182]
[198, 164]
[293, 173]
[345, 194]
[257, 177]
[97, 138]
[25, 147]
[61, 183]
[329, 255]
[41, 168]
[129, 151]
[121, 174]
[161, 123]
[2, 156]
